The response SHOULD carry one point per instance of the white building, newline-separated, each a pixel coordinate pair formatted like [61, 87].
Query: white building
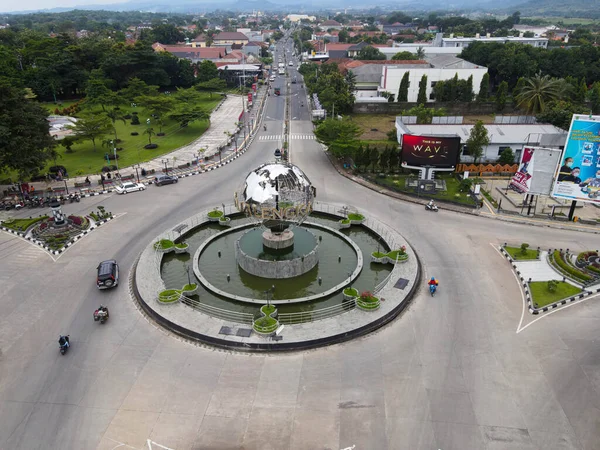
[462, 42]
[438, 68]
[298, 17]
[501, 137]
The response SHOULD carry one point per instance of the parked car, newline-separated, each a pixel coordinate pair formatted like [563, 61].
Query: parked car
[108, 274]
[161, 179]
[129, 187]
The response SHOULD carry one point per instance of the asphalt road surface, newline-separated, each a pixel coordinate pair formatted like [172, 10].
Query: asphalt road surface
[451, 373]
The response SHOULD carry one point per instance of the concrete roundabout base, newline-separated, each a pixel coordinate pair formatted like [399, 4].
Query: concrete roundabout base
[212, 326]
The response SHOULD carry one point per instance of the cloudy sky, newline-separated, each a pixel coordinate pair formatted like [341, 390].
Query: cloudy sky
[8, 5]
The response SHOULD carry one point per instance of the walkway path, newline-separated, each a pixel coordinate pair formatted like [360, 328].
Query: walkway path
[538, 270]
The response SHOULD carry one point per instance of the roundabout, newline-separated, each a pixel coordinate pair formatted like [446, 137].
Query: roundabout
[276, 265]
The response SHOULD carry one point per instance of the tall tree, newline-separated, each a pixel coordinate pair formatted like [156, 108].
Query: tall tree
[97, 92]
[91, 127]
[594, 95]
[374, 158]
[477, 141]
[581, 91]
[114, 115]
[158, 105]
[537, 92]
[516, 90]
[206, 70]
[339, 135]
[369, 53]
[405, 56]
[25, 141]
[467, 93]
[422, 97]
[404, 85]
[501, 96]
[484, 88]
[137, 88]
[212, 85]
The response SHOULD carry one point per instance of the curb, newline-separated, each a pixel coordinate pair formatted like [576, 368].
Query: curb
[525, 285]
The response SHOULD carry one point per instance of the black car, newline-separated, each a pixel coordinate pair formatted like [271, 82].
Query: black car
[108, 274]
[159, 180]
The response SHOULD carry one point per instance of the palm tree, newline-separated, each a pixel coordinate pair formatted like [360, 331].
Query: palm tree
[115, 115]
[420, 53]
[150, 132]
[536, 92]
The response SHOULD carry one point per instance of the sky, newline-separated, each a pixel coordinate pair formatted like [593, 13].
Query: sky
[10, 6]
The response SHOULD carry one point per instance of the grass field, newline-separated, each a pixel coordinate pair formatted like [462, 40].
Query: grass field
[398, 182]
[382, 123]
[51, 106]
[84, 160]
[515, 253]
[541, 296]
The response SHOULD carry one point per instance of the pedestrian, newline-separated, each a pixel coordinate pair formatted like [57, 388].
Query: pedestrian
[109, 176]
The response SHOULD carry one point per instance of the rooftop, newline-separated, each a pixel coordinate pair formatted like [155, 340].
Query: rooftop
[498, 134]
[230, 36]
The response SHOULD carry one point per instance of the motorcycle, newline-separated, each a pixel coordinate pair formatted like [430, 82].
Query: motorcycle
[432, 289]
[265, 127]
[63, 342]
[101, 314]
[431, 207]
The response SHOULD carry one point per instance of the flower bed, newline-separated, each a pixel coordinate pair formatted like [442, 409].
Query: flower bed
[164, 246]
[22, 225]
[190, 289]
[558, 261]
[182, 247]
[224, 221]
[368, 301]
[542, 296]
[350, 293]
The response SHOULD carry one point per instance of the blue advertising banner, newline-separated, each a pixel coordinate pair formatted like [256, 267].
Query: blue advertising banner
[578, 176]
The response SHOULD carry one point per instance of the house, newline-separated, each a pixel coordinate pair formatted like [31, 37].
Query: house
[331, 24]
[266, 34]
[368, 75]
[250, 34]
[398, 27]
[501, 136]
[337, 50]
[354, 25]
[194, 54]
[324, 35]
[198, 41]
[437, 68]
[225, 38]
[253, 48]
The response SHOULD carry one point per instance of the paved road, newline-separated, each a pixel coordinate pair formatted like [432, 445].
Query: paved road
[451, 373]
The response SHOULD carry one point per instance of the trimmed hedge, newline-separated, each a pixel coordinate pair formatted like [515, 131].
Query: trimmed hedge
[558, 259]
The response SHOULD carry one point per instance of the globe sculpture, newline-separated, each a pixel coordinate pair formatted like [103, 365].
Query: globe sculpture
[279, 196]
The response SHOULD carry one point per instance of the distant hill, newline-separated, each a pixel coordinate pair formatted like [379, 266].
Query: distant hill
[558, 8]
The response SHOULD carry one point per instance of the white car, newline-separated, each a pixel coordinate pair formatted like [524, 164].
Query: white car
[129, 187]
[290, 63]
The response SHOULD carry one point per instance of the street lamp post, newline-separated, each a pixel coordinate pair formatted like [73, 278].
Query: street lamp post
[166, 161]
[66, 187]
[137, 166]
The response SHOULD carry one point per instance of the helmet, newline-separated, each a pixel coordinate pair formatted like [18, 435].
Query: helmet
[432, 278]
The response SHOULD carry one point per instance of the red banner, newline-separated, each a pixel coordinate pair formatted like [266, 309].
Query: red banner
[254, 87]
[250, 97]
[521, 179]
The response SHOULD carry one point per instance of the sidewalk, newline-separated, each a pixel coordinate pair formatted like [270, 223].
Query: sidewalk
[223, 133]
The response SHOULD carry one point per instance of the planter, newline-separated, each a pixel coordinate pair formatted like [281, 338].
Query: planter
[382, 260]
[267, 324]
[150, 146]
[169, 296]
[181, 248]
[350, 293]
[368, 306]
[215, 215]
[164, 246]
[225, 221]
[345, 224]
[190, 289]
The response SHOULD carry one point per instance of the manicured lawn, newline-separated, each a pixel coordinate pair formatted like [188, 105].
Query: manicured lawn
[541, 296]
[84, 160]
[398, 182]
[516, 254]
[22, 224]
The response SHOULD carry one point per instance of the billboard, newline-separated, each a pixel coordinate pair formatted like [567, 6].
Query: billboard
[430, 150]
[578, 176]
[536, 171]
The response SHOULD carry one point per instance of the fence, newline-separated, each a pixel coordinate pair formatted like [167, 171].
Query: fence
[219, 313]
[317, 314]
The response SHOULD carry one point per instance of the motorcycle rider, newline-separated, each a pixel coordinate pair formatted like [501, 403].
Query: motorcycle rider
[265, 127]
[431, 204]
[433, 282]
[63, 341]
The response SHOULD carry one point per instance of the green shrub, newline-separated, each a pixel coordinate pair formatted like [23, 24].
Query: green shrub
[355, 216]
[181, 245]
[190, 287]
[351, 292]
[524, 248]
[552, 285]
[163, 243]
[22, 224]
[215, 213]
[566, 267]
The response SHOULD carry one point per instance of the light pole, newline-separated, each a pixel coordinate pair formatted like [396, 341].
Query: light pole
[113, 143]
[66, 187]
[165, 162]
[137, 166]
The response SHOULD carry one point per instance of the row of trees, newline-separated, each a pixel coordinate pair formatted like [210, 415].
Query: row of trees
[335, 91]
